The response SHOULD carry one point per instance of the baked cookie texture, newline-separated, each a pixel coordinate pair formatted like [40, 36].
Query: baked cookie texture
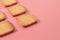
[8, 2]
[5, 28]
[16, 9]
[26, 19]
[2, 16]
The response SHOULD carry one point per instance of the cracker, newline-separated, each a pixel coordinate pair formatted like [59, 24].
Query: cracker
[16, 9]
[26, 19]
[8, 2]
[2, 16]
[5, 28]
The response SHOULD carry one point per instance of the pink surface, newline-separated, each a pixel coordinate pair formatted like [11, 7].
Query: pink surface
[48, 13]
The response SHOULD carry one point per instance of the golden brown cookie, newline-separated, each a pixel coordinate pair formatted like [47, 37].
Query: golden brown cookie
[8, 2]
[5, 28]
[2, 16]
[26, 19]
[16, 9]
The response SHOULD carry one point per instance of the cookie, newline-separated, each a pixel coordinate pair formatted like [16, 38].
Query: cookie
[5, 28]
[8, 2]
[26, 19]
[16, 9]
[2, 16]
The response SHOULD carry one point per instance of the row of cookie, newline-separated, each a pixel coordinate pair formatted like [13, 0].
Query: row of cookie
[19, 12]
[5, 26]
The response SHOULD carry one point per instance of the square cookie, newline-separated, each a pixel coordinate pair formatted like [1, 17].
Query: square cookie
[2, 16]
[26, 19]
[8, 2]
[5, 28]
[16, 9]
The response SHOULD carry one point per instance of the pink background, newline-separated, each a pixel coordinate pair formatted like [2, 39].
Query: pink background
[47, 12]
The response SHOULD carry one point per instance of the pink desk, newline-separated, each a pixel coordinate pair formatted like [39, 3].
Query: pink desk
[48, 13]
